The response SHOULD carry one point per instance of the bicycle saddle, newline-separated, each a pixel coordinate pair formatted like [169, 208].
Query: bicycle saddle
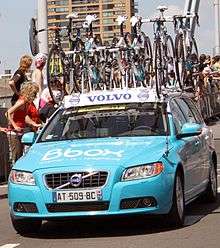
[72, 15]
[121, 19]
[162, 8]
[134, 20]
[91, 18]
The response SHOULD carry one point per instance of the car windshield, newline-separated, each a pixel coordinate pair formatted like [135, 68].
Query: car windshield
[106, 121]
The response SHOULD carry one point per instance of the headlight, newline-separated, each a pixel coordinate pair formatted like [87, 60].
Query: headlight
[21, 177]
[142, 171]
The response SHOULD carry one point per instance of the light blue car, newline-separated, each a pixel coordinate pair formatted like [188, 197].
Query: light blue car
[114, 156]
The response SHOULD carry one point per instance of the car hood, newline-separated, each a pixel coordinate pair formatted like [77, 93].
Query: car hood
[102, 152]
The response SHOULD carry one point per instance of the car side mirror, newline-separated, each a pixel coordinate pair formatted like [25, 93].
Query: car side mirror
[28, 138]
[189, 129]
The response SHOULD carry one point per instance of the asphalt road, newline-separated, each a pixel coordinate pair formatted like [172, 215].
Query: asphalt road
[201, 230]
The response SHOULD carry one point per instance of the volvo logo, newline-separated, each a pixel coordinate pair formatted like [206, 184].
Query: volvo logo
[76, 180]
[143, 95]
[75, 99]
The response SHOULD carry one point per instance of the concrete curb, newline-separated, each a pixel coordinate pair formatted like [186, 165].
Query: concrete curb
[3, 191]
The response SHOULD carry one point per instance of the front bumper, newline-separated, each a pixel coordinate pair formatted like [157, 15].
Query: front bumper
[159, 187]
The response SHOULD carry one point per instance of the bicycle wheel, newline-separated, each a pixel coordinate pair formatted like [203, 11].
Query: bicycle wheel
[158, 67]
[147, 60]
[75, 71]
[170, 63]
[194, 58]
[181, 60]
[56, 74]
[33, 40]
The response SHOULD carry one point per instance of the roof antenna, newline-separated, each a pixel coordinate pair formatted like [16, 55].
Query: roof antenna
[164, 114]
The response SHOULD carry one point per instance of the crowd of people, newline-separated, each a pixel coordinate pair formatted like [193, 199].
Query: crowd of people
[31, 103]
[207, 84]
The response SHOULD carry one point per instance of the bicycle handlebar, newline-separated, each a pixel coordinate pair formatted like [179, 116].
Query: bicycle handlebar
[165, 19]
[184, 16]
[101, 48]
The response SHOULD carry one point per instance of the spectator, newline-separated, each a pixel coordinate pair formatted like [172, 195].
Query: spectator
[18, 119]
[33, 113]
[48, 103]
[216, 67]
[202, 60]
[19, 77]
[38, 77]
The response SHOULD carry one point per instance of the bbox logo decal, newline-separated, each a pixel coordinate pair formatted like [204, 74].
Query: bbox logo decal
[73, 153]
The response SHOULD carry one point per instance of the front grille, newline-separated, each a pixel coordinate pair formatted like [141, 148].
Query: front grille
[77, 207]
[57, 179]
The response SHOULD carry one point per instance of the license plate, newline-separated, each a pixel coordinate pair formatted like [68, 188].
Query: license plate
[77, 196]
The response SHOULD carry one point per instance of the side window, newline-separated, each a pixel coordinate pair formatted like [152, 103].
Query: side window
[186, 110]
[178, 117]
[195, 111]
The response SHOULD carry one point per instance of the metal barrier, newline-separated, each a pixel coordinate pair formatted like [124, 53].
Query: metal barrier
[4, 149]
[209, 103]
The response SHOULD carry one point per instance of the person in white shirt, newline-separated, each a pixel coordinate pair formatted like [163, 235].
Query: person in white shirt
[38, 77]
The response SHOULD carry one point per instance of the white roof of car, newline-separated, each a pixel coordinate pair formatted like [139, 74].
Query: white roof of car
[119, 96]
[110, 97]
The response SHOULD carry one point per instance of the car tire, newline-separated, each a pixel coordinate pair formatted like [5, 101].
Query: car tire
[26, 226]
[211, 192]
[176, 215]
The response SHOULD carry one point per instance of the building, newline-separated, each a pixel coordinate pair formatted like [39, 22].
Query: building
[5, 91]
[106, 10]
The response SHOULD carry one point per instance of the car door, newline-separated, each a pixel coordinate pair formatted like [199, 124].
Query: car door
[205, 138]
[186, 150]
[197, 146]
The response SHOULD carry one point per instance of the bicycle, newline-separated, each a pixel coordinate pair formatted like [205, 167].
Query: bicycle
[57, 66]
[185, 45]
[67, 66]
[142, 66]
[165, 65]
[121, 58]
[85, 67]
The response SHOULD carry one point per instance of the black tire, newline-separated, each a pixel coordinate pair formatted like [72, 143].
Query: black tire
[33, 39]
[181, 60]
[158, 68]
[176, 215]
[170, 57]
[211, 192]
[148, 57]
[26, 226]
[57, 70]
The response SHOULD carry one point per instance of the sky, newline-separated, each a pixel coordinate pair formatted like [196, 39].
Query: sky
[15, 16]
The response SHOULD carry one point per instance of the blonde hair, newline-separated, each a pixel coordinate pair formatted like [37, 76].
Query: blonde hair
[25, 63]
[29, 91]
